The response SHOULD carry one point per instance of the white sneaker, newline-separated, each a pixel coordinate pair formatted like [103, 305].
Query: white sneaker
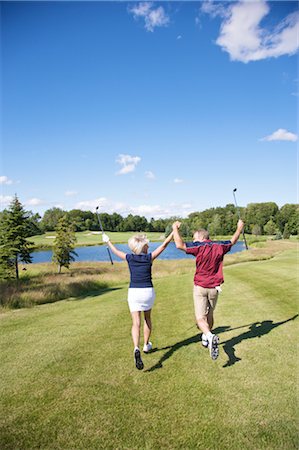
[204, 342]
[213, 346]
[147, 347]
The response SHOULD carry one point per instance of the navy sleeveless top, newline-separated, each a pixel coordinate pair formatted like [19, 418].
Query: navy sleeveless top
[140, 270]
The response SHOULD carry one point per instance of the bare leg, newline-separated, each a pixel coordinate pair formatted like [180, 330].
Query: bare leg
[147, 326]
[136, 328]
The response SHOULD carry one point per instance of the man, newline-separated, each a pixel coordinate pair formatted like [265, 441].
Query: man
[207, 279]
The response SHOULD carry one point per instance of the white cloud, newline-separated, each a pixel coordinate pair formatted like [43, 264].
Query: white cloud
[128, 163]
[88, 205]
[150, 175]
[159, 211]
[5, 200]
[178, 180]
[153, 16]
[5, 180]
[281, 135]
[147, 210]
[242, 36]
[214, 9]
[70, 193]
[33, 202]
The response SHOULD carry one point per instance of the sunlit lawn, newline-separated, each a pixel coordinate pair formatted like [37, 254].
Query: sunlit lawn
[68, 380]
[92, 238]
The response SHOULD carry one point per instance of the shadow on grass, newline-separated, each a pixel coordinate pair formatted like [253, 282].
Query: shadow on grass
[95, 293]
[171, 349]
[256, 329]
[22, 293]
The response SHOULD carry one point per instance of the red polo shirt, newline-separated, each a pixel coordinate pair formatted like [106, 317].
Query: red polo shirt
[209, 261]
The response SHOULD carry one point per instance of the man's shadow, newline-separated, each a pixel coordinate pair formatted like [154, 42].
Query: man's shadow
[173, 348]
[256, 329]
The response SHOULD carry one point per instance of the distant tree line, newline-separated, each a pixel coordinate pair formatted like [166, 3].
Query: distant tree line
[86, 220]
[260, 219]
[17, 225]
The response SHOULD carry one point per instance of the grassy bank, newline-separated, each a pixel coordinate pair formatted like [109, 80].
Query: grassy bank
[68, 379]
[86, 238]
[41, 284]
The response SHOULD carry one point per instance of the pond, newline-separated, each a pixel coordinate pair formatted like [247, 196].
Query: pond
[99, 252]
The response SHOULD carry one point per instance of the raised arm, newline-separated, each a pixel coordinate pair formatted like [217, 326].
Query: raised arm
[238, 231]
[179, 243]
[117, 252]
[162, 247]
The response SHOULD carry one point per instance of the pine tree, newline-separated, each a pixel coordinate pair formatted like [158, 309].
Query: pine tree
[63, 245]
[14, 247]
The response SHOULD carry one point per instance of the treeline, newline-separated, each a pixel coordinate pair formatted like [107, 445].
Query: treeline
[260, 219]
[86, 220]
[17, 225]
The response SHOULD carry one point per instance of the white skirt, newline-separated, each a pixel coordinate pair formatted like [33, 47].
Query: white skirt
[141, 299]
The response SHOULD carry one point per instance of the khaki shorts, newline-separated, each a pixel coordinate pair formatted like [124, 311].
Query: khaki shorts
[205, 299]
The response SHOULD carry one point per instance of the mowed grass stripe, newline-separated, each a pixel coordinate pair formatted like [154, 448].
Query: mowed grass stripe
[69, 379]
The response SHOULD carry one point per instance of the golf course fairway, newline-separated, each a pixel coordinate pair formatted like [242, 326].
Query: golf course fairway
[68, 379]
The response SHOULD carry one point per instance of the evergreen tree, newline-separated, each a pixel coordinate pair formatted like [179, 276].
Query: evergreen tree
[14, 248]
[63, 245]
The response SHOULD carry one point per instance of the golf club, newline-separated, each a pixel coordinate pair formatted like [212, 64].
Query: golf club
[101, 227]
[238, 210]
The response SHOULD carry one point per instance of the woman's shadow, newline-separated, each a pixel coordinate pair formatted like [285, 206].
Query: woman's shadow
[256, 330]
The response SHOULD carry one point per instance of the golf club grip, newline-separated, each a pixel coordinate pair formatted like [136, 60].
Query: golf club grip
[245, 242]
[108, 250]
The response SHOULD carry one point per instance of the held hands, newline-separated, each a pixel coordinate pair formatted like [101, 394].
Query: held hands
[105, 238]
[176, 225]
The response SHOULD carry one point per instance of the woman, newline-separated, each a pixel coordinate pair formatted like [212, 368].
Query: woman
[141, 294]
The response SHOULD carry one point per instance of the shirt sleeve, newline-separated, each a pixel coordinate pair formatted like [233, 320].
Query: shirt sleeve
[128, 257]
[226, 247]
[191, 250]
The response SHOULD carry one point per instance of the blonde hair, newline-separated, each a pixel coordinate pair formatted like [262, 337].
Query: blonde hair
[137, 243]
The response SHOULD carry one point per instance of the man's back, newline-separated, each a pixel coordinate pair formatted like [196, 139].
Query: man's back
[209, 261]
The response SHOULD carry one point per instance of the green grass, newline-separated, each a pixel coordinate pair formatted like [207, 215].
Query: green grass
[68, 380]
[85, 238]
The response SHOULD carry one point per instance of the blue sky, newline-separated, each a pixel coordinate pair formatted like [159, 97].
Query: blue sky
[150, 108]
